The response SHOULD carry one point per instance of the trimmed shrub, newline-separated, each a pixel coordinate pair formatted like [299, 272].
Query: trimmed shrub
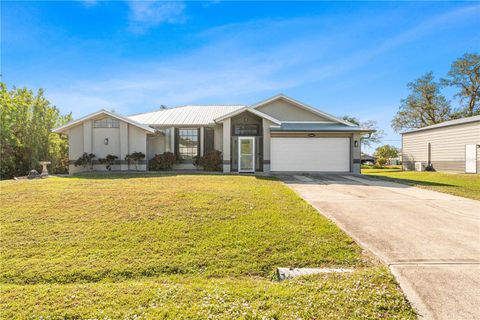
[85, 160]
[135, 157]
[108, 161]
[212, 161]
[163, 161]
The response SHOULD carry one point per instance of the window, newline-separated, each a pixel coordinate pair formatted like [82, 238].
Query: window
[187, 143]
[106, 123]
[245, 129]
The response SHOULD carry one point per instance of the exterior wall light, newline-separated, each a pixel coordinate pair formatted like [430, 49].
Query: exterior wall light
[355, 143]
[105, 142]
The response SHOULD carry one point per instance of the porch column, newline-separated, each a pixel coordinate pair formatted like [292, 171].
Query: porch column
[226, 145]
[355, 167]
[171, 136]
[123, 145]
[266, 145]
[87, 136]
[202, 140]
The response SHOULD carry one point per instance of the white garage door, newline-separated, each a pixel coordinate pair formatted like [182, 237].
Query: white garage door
[310, 154]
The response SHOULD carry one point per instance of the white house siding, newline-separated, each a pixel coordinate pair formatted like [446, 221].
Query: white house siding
[121, 141]
[75, 142]
[285, 111]
[447, 147]
[218, 138]
[137, 143]
[99, 149]
[156, 144]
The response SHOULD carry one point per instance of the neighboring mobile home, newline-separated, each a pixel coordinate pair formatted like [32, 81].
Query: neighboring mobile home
[279, 134]
[450, 146]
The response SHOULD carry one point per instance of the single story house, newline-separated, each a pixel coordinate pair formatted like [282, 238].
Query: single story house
[279, 134]
[450, 146]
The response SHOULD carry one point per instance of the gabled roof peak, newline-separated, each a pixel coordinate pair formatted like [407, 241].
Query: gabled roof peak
[302, 105]
[67, 126]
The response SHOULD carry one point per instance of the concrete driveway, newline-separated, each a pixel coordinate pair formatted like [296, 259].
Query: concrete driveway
[430, 240]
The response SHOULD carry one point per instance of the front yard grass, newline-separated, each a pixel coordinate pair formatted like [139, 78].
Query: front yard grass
[464, 185]
[192, 246]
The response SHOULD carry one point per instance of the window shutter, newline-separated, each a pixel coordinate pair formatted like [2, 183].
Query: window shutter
[198, 143]
[176, 141]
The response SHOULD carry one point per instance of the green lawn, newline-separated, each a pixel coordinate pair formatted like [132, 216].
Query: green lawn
[464, 185]
[191, 246]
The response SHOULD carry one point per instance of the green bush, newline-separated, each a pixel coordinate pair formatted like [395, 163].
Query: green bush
[135, 157]
[163, 161]
[108, 161]
[212, 161]
[381, 161]
[85, 160]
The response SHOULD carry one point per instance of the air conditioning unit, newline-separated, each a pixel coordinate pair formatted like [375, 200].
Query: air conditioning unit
[419, 166]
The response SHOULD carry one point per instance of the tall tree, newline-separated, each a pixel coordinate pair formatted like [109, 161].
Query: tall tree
[465, 75]
[424, 106]
[384, 153]
[375, 138]
[26, 121]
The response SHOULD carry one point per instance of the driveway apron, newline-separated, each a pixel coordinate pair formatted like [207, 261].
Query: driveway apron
[429, 240]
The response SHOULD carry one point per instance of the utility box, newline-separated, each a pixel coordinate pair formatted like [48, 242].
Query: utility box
[419, 166]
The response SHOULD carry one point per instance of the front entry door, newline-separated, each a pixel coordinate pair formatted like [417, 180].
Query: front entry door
[246, 154]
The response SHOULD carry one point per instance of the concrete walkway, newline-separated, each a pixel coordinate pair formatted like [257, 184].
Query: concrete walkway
[430, 240]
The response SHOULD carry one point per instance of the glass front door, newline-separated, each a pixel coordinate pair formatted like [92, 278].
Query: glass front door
[246, 154]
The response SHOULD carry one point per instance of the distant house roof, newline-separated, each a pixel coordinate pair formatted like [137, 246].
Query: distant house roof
[327, 127]
[94, 115]
[446, 124]
[185, 115]
[367, 157]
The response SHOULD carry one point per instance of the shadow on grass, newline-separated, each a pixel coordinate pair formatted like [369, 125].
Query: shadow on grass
[412, 182]
[158, 174]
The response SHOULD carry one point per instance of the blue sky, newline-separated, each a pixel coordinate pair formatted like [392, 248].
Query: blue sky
[341, 57]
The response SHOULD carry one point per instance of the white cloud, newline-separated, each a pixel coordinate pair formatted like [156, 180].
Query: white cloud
[148, 14]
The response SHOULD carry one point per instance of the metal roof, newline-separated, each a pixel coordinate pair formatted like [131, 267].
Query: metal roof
[185, 115]
[327, 127]
[447, 124]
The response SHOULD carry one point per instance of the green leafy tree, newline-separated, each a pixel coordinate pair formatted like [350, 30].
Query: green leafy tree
[423, 107]
[385, 153]
[26, 121]
[464, 74]
[374, 138]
